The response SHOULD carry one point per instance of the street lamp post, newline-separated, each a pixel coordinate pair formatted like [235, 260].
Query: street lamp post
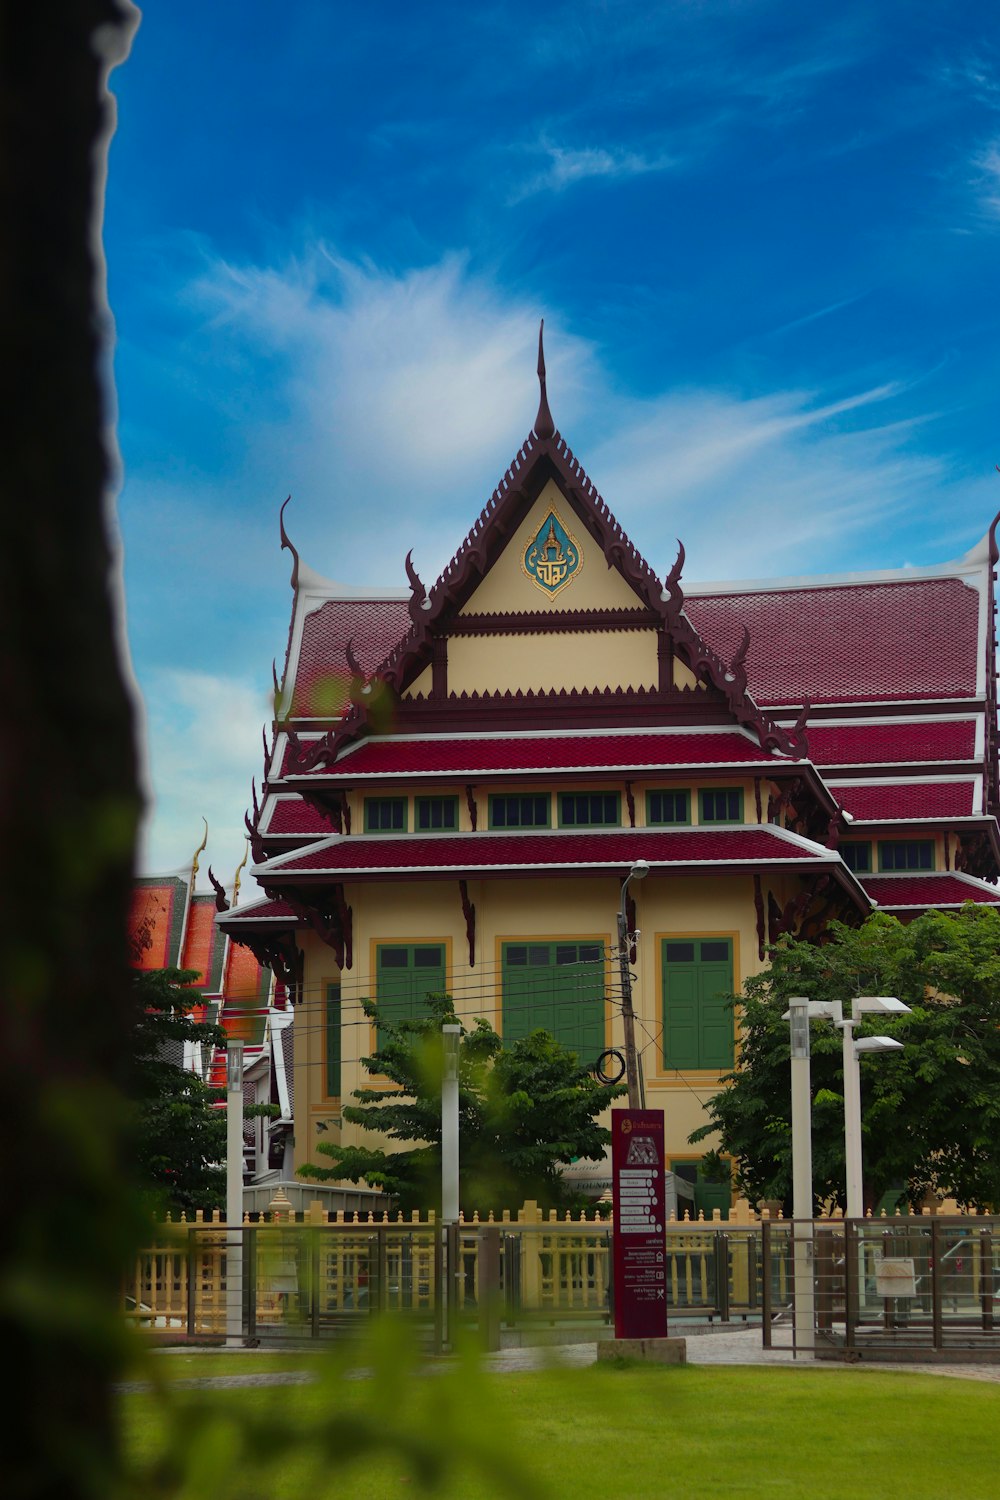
[852, 1050]
[639, 871]
[234, 1193]
[799, 1013]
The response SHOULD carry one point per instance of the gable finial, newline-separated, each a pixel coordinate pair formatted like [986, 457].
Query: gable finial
[544, 425]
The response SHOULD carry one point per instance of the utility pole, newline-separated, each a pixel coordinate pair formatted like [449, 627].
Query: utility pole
[639, 871]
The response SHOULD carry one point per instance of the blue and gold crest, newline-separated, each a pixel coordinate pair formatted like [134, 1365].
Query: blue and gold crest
[552, 558]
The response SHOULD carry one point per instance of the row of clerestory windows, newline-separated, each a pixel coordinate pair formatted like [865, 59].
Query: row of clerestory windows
[575, 809]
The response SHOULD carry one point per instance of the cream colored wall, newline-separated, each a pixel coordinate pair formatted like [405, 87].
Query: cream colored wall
[421, 685]
[594, 586]
[549, 909]
[597, 659]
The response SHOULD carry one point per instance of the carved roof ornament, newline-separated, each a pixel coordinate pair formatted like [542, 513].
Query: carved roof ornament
[239, 871]
[545, 428]
[200, 850]
[286, 545]
[221, 902]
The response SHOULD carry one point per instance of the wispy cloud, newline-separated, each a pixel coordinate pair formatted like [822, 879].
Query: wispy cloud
[566, 167]
[987, 179]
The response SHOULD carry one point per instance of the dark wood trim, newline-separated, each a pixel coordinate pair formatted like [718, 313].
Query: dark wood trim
[439, 667]
[876, 708]
[553, 621]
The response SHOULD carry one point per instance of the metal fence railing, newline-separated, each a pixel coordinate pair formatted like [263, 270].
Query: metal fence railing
[886, 1288]
[873, 1288]
[320, 1280]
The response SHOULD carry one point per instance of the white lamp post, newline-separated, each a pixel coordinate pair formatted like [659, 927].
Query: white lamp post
[234, 1193]
[449, 1126]
[798, 1015]
[885, 1005]
[639, 871]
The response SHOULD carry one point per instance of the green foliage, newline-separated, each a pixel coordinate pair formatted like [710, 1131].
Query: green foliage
[178, 1138]
[524, 1110]
[931, 1113]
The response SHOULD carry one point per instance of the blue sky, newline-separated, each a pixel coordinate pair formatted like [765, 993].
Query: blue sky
[764, 238]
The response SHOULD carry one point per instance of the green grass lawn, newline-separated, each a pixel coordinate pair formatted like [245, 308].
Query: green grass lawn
[630, 1432]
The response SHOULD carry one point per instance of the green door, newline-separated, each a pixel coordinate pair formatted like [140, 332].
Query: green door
[697, 1003]
[556, 987]
[405, 975]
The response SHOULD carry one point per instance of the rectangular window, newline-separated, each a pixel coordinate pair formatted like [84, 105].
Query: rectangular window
[589, 809]
[555, 987]
[405, 973]
[434, 814]
[722, 804]
[668, 807]
[532, 811]
[906, 854]
[856, 856]
[697, 1003]
[333, 1040]
[708, 1195]
[385, 814]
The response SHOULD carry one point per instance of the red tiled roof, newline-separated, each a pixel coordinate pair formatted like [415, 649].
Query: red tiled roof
[442, 755]
[898, 743]
[322, 676]
[849, 643]
[261, 911]
[905, 800]
[558, 849]
[293, 815]
[898, 892]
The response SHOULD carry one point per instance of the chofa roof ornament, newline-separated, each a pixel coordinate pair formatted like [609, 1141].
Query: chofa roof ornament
[544, 425]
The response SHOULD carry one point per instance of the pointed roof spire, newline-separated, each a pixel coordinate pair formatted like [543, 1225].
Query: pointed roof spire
[544, 425]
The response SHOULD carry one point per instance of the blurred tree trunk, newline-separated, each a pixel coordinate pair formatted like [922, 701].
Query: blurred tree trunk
[68, 793]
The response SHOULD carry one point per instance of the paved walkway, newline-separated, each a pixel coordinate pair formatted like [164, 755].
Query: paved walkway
[741, 1346]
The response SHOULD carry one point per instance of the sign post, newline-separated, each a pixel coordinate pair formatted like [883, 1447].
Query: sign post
[640, 1269]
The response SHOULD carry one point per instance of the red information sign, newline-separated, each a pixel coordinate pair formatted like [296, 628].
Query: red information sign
[640, 1197]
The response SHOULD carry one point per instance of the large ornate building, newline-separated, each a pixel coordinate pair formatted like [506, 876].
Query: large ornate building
[462, 776]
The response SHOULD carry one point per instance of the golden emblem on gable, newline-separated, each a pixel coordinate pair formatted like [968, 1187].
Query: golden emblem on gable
[552, 559]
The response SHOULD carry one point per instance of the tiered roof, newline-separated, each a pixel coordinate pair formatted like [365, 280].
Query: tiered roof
[875, 692]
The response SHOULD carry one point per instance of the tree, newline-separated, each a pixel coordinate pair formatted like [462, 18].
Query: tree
[931, 1113]
[179, 1133]
[524, 1111]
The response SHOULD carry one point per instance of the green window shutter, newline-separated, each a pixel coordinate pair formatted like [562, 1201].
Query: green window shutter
[697, 1018]
[405, 974]
[708, 1196]
[333, 1041]
[555, 987]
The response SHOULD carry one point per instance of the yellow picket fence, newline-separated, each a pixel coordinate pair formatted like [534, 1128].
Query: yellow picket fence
[317, 1273]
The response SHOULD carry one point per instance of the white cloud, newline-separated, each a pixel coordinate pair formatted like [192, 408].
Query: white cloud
[204, 736]
[566, 168]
